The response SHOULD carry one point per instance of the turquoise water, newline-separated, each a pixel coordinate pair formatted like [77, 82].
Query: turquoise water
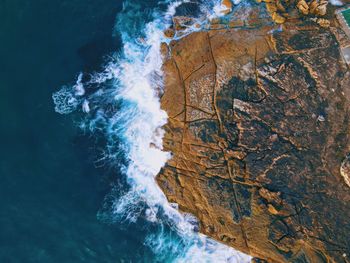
[346, 14]
[80, 187]
[50, 190]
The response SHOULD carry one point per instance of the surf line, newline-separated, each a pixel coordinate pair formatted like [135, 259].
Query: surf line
[132, 81]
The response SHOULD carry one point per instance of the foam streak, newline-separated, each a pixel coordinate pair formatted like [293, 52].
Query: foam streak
[137, 78]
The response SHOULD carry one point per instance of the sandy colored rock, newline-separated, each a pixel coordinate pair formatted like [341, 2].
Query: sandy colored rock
[345, 170]
[281, 10]
[271, 7]
[278, 18]
[252, 158]
[303, 7]
[228, 6]
[318, 7]
[323, 22]
[169, 33]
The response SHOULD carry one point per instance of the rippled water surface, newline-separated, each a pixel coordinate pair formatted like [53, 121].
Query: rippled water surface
[50, 190]
[80, 187]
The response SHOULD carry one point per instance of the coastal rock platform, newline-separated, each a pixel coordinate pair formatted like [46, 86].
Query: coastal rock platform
[259, 131]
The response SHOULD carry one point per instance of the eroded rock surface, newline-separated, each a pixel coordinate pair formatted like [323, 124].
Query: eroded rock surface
[259, 131]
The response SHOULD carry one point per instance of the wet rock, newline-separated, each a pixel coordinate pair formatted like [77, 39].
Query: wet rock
[227, 6]
[180, 23]
[169, 33]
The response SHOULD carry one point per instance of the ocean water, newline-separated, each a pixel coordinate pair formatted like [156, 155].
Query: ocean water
[81, 135]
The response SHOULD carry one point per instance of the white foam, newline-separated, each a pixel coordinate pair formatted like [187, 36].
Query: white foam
[85, 106]
[137, 75]
[211, 252]
[65, 102]
[219, 9]
[144, 136]
[336, 2]
[78, 87]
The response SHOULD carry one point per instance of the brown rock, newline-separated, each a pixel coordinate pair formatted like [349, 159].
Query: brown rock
[169, 33]
[280, 10]
[271, 7]
[318, 7]
[182, 22]
[251, 160]
[228, 6]
[303, 7]
[236, 23]
[278, 18]
[272, 209]
[323, 22]
[345, 170]
[274, 7]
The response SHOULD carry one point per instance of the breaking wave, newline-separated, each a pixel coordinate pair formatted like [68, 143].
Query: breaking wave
[122, 103]
[336, 2]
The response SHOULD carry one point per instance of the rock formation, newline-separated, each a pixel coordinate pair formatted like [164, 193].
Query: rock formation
[281, 10]
[259, 132]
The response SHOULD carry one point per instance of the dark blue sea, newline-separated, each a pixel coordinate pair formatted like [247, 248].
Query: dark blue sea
[79, 110]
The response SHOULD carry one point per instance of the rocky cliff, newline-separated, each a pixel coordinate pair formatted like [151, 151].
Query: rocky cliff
[259, 132]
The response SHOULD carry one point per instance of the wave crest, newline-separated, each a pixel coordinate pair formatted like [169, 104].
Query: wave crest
[122, 102]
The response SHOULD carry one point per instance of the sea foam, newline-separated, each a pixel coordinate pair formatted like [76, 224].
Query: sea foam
[132, 82]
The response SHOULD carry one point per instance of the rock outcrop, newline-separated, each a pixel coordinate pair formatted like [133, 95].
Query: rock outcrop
[282, 10]
[259, 130]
